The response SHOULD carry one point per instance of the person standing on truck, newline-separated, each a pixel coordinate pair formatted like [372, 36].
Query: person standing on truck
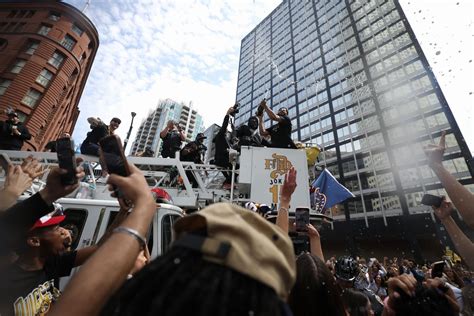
[194, 151]
[221, 157]
[172, 136]
[90, 146]
[280, 133]
[13, 133]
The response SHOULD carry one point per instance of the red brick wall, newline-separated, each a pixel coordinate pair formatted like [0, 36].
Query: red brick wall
[57, 109]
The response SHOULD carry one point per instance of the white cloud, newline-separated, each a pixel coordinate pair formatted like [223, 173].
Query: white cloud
[151, 50]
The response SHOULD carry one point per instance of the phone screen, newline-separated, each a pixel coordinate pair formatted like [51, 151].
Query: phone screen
[66, 159]
[301, 219]
[112, 156]
[437, 271]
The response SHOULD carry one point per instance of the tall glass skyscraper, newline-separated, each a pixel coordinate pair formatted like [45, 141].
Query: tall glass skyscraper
[357, 83]
[148, 134]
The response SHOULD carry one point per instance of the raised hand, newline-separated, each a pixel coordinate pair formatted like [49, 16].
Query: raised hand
[32, 167]
[444, 210]
[134, 187]
[54, 188]
[435, 153]
[312, 231]
[17, 181]
[289, 185]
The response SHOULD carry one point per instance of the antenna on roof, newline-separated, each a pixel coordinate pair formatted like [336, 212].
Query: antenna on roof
[88, 2]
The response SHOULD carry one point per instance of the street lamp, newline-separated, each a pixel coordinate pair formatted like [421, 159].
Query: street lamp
[129, 132]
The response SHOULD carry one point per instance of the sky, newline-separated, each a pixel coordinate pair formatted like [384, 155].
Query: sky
[188, 50]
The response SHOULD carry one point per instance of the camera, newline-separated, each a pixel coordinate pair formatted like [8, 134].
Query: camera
[236, 109]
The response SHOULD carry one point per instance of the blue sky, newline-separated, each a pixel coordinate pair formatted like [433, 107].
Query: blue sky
[188, 50]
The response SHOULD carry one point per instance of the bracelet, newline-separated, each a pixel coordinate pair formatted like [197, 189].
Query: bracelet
[284, 209]
[132, 232]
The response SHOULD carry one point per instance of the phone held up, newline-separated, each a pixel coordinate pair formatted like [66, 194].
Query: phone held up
[302, 219]
[112, 156]
[432, 200]
[67, 160]
[112, 159]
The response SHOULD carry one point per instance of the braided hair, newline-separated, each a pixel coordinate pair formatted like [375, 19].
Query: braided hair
[181, 282]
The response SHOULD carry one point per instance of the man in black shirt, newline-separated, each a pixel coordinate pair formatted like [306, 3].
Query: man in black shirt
[31, 228]
[13, 133]
[248, 134]
[172, 136]
[280, 133]
[90, 145]
[194, 151]
[222, 141]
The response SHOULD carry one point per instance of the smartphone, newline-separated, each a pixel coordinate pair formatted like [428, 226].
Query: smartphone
[438, 268]
[5, 162]
[112, 157]
[432, 200]
[67, 160]
[302, 219]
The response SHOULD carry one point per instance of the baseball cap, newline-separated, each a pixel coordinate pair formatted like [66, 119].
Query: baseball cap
[48, 220]
[242, 241]
[200, 136]
[161, 196]
[52, 218]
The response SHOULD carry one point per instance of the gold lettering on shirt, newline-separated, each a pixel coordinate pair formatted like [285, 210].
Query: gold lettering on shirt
[38, 302]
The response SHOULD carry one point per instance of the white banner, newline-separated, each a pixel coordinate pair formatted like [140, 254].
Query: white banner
[266, 169]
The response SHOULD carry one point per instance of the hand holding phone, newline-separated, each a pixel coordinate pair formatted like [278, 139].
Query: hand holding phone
[66, 160]
[432, 200]
[112, 157]
[302, 219]
[438, 268]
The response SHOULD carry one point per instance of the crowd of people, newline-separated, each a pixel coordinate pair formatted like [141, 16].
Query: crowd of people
[225, 259]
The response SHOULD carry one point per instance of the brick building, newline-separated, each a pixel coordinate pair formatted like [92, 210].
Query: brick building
[46, 52]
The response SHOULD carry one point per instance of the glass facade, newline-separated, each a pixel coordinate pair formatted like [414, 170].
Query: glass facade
[357, 84]
[148, 135]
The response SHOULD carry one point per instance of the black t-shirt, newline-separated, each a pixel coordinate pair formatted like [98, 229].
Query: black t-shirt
[97, 133]
[171, 144]
[248, 137]
[281, 133]
[33, 292]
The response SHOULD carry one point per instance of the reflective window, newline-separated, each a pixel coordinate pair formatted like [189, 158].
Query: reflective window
[4, 84]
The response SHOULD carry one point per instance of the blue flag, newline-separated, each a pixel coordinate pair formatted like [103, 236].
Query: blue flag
[328, 192]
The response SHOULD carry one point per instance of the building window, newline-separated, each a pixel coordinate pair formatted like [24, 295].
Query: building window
[76, 29]
[31, 47]
[31, 98]
[44, 78]
[83, 57]
[57, 59]
[68, 42]
[54, 16]
[18, 66]
[44, 29]
[4, 84]
[21, 116]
